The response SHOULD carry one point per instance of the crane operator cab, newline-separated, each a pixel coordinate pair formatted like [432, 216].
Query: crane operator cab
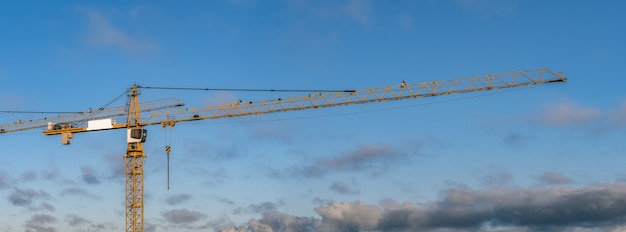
[136, 135]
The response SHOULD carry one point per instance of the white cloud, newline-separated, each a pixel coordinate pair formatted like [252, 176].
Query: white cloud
[358, 10]
[569, 113]
[102, 33]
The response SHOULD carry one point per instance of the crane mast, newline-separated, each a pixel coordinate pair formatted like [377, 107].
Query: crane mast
[135, 123]
[134, 158]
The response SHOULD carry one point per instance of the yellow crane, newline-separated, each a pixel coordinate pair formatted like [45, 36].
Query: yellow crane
[137, 116]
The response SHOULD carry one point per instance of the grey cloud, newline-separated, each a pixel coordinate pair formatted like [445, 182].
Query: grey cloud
[277, 221]
[182, 216]
[42, 206]
[117, 164]
[89, 175]
[75, 220]
[150, 227]
[498, 178]
[321, 201]
[593, 208]
[4, 180]
[50, 175]
[233, 229]
[82, 224]
[619, 117]
[374, 158]
[78, 192]
[225, 200]
[177, 199]
[262, 207]
[28, 176]
[342, 188]
[553, 178]
[54, 175]
[516, 140]
[364, 156]
[39, 223]
[25, 197]
[102, 227]
[211, 151]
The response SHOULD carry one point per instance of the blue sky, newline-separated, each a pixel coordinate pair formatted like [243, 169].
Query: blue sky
[547, 158]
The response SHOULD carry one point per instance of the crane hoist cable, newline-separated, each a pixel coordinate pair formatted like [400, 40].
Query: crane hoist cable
[254, 90]
[38, 112]
[168, 148]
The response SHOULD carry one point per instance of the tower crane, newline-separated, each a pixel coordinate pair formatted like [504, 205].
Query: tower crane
[139, 115]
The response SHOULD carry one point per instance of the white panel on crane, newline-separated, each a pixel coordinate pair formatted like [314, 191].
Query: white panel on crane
[101, 124]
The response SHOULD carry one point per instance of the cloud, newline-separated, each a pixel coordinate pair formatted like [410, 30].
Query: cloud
[516, 140]
[574, 115]
[406, 21]
[498, 178]
[342, 188]
[374, 158]
[553, 178]
[11, 100]
[276, 221]
[215, 152]
[54, 175]
[351, 216]
[83, 224]
[79, 192]
[50, 175]
[89, 175]
[4, 180]
[597, 208]
[43, 206]
[75, 220]
[182, 216]
[619, 117]
[28, 176]
[102, 33]
[225, 200]
[569, 114]
[177, 199]
[117, 164]
[260, 208]
[489, 8]
[358, 10]
[39, 223]
[25, 197]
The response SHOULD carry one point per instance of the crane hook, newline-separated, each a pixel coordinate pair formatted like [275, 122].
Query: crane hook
[167, 151]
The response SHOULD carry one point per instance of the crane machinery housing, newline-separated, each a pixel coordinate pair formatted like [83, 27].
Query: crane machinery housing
[136, 115]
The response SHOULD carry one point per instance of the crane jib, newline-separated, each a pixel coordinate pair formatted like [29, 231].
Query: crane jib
[138, 115]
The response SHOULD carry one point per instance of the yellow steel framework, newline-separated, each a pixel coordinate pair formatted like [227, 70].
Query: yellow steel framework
[135, 121]
[134, 166]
